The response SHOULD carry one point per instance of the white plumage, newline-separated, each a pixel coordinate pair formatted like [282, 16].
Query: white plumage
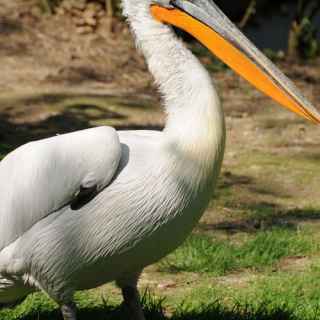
[152, 187]
[43, 176]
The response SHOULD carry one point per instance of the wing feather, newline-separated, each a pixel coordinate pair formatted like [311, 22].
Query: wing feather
[41, 177]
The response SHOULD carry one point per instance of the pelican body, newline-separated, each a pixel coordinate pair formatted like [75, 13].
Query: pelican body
[82, 209]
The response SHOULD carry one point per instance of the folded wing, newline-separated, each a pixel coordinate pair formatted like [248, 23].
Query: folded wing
[43, 176]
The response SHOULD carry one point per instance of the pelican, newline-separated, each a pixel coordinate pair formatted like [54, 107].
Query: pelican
[89, 207]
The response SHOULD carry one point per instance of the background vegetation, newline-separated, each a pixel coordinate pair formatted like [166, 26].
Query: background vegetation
[303, 38]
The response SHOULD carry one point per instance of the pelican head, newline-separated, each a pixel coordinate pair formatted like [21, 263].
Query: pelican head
[209, 25]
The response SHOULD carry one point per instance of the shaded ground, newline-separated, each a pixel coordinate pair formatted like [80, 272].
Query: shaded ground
[54, 81]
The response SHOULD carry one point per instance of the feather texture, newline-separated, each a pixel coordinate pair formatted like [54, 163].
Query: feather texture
[43, 176]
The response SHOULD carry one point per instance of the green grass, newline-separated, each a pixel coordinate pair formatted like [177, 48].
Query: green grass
[200, 253]
[296, 292]
[274, 298]
[217, 310]
[280, 297]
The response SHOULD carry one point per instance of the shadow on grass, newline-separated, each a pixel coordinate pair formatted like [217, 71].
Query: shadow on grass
[218, 311]
[54, 98]
[256, 213]
[67, 112]
[157, 312]
[229, 180]
[264, 216]
[271, 216]
[15, 135]
[96, 313]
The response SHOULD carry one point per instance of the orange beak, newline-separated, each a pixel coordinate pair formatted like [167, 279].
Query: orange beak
[214, 30]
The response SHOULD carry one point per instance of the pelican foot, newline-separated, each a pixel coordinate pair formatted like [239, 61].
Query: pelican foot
[69, 311]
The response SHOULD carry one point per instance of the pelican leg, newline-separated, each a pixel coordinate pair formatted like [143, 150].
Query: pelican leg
[131, 297]
[69, 311]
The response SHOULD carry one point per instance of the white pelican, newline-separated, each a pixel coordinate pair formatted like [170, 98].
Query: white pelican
[89, 207]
